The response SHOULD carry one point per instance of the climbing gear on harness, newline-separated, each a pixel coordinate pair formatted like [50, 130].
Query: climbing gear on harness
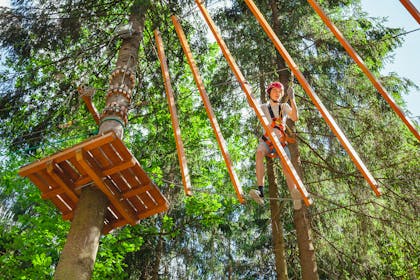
[277, 124]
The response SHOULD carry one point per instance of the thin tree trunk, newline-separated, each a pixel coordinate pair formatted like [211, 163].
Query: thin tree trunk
[276, 223]
[156, 265]
[302, 224]
[79, 253]
[275, 210]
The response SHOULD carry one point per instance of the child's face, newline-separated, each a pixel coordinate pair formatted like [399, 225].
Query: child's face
[276, 93]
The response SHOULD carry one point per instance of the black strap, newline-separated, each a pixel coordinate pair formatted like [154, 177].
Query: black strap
[272, 113]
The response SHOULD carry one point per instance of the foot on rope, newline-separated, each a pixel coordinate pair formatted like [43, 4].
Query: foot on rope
[257, 196]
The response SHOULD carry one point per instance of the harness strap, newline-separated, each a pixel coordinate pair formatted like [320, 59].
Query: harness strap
[284, 138]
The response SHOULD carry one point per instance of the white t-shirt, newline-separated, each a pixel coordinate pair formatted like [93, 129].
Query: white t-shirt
[286, 112]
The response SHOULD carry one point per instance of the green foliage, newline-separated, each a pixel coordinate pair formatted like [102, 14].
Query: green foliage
[205, 208]
[53, 48]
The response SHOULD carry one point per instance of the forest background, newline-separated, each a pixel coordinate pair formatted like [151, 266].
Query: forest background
[52, 47]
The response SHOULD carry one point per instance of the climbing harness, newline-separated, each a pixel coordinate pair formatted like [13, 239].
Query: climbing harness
[276, 123]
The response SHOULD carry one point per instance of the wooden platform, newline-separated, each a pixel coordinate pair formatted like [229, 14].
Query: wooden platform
[101, 161]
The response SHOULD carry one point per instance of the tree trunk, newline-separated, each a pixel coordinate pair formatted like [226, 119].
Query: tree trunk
[79, 253]
[302, 224]
[276, 223]
[275, 210]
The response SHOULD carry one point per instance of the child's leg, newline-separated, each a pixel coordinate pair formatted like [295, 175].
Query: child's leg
[262, 151]
[294, 193]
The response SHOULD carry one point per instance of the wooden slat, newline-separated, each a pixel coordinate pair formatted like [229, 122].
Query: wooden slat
[67, 200]
[68, 153]
[124, 153]
[61, 205]
[112, 225]
[77, 166]
[174, 115]
[69, 170]
[130, 178]
[141, 174]
[114, 184]
[160, 199]
[52, 193]
[137, 191]
[37, 180]
[62, 181]
[153, 211]
[86, 179]
[124, 165]
[101, 158]
[209, 110]
[112, 154]
[148, 200]
[52, 185]
[96, 176]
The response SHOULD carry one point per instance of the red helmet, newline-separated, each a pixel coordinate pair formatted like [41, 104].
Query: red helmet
[273, 85]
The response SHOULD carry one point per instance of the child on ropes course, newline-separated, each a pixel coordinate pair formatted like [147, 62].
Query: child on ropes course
[278, 113]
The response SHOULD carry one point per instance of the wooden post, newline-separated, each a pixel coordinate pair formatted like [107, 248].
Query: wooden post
[174, 116]
[353, 54]
[210, 114]
[79, 253]
[411, 9]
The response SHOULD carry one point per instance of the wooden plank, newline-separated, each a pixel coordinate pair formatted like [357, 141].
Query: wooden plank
[157, 196]
[62, 205]
[174, 115]
[112, 154]
[91, 143]
[96, 176]
[101, 158]
[112, 185]
[137, 191]
[136, 203]
[70, 204]
[52, 193]
[77, 166]
[48, 180]
[69, 170]
[411, 9]
[209, 110]
[39, 182]
[131, 179]
[148, 200]
[114, 224]
[124, 153]
[117, 168]
[148, 213]
[141, 174]
[62, 181]
[82, 181]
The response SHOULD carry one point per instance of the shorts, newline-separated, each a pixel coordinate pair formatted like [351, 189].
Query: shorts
[273, 150]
